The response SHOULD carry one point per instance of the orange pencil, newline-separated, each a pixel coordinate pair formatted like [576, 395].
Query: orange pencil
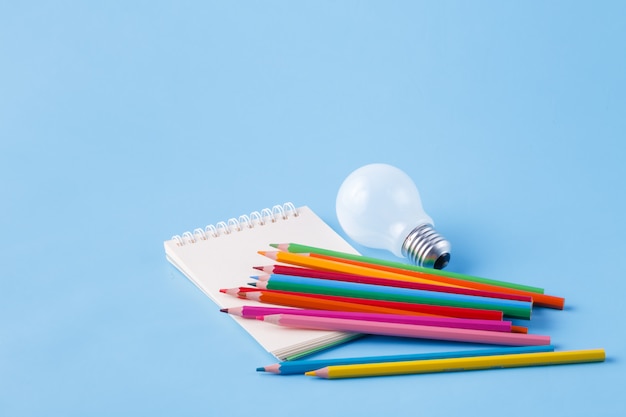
[328, 263]
[337, 265]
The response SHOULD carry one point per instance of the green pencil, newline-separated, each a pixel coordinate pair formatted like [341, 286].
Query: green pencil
[298, 248]
[516, 309]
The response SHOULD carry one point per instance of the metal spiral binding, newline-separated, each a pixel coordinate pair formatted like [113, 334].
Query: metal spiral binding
[233, 225]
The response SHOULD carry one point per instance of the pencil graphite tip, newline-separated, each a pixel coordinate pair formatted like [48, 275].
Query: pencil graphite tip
[270, 318]
[252, 284]
[250, 296]
[320, 373]
[281, 246]
[269, 254]
[268, 269]
[230, 291]
[262, 285]
[262, 277]
[274, 369]
[235, 311]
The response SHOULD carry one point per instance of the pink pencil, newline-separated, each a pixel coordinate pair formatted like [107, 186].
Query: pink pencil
[407, 330]
[342, 276]
[459, 323]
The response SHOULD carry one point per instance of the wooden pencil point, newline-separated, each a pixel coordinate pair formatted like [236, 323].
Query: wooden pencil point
[270, 254]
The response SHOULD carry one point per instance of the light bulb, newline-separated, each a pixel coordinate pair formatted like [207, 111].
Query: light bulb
[379, 206]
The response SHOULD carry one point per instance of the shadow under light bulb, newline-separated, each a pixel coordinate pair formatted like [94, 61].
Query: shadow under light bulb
[379, 206]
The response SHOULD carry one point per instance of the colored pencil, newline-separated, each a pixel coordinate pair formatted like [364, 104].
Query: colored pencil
[407, 330]
[386, 289]
[517, 309]
[540, 299]
[340, 265]
[298, 248]
[492, 325]
[328, 302]
[322, 262]
[460, 364]
[322, 302]
[308, 302]
[339, 276]
[301, 366]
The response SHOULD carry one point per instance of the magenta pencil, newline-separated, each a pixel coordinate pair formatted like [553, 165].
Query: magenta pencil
[407, 330]
[459, 323]
[342, 276]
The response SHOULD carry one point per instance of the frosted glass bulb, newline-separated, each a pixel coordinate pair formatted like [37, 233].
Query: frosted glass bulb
[379, 206]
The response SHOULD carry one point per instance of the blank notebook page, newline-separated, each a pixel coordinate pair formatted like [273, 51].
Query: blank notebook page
[222, 256]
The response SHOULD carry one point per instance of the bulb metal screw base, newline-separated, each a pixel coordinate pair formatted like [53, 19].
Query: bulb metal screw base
[425, 247]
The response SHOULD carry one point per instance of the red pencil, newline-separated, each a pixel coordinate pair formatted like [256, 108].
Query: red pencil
[292, 299]
[341, 276]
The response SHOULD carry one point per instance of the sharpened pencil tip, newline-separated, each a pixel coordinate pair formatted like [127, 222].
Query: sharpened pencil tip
[224, 310]
[253, 284]
[270, 254]
[260, 268]
[274, 245]
[310, 373]
[261, 369]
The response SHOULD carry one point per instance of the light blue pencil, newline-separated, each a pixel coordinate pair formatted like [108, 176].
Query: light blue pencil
[302, 366]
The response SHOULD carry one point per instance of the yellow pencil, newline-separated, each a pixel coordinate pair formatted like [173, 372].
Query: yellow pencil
[459, 364]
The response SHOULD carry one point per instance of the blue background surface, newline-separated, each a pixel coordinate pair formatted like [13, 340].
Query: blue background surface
[124, 123]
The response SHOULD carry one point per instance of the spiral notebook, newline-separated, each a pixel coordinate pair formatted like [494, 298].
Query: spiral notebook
[222, 256]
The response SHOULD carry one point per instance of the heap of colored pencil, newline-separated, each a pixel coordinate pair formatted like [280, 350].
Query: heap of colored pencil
[319, 289]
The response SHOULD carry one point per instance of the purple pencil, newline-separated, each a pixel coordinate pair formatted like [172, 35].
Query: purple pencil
[459, 323]
[407, 330]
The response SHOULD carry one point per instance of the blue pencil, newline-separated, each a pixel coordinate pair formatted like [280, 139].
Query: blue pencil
[302, 366]
[390, 290]
[279, 279]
